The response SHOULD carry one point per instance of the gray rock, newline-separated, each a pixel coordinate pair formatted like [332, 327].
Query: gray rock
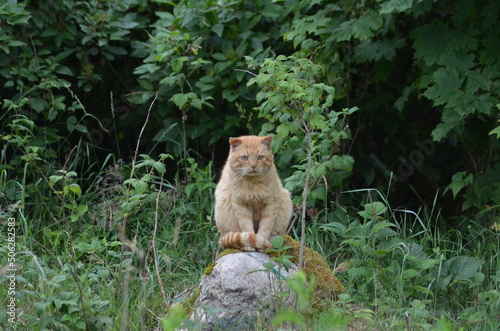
[236, 296]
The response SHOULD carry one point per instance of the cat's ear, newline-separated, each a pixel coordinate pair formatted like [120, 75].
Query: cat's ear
[234, 142]
[267, 141]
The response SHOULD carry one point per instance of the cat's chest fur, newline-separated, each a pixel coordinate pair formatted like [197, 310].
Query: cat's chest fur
[255, 194]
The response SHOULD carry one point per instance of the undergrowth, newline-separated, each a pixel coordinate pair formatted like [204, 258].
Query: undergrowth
[75, 267]
[117, 246]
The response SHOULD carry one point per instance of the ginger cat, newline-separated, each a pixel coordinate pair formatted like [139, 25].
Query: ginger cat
[251, 205]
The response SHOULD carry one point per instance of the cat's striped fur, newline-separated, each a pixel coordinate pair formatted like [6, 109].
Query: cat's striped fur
[251, 205]
[245, 240]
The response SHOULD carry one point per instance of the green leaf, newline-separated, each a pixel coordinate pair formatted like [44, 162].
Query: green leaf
[16, 43]
[230, 95]
[411, 273]
[430, 41]
[140, 186]
[116, 50]
[335, 227]
[270, 11]
[361, 28]
[160, 167]
[40, 307]
[458, 182]
[317, 122]
[445, 87]
[423, 289]
[221, 66]
[218, 29]
[277, 241]
[179, 99]
[357, 231]
[75, 188]
[375, 50]
[50, 32]
[178, 63]
[462, 267]
[443, 324]
[450, 120]
[38, 104]
[495, 131]
[318, 170]
[61, 56]
[373, 210]
[63, 70]
[343, 162]
[83, 247]
[395, 6]
[283, 130]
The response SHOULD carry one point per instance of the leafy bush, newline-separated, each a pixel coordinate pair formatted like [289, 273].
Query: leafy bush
[403, 65]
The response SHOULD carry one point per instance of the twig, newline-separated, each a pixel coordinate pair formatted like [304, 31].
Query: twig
[141, 92]
[155, 255]
[248, 72]
[407, 319]
[140, 135]
[292, 223]
[182, 293]
[304, 194]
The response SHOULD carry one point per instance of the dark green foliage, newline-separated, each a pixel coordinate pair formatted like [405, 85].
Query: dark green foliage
[416, 69]
[196, 63]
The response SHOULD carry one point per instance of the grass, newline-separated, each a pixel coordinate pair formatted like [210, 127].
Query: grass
[109, 252]
[403, 270]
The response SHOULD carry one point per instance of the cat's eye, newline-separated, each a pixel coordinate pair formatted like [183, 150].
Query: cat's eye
[244, 157]
[260, 157]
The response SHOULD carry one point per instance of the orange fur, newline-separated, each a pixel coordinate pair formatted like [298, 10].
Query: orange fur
[251, 205]
[245, 240]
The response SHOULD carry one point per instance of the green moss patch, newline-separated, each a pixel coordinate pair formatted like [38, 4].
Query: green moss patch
[328, 286]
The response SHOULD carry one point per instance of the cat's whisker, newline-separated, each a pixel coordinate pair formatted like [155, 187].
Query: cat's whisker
[241, 173]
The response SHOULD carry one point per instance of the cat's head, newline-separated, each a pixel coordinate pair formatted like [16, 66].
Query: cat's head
[251, 155]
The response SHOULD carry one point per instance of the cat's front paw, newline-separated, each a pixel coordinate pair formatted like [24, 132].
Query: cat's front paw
[248, 249]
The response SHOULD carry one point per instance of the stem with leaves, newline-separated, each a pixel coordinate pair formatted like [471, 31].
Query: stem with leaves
[296, 105]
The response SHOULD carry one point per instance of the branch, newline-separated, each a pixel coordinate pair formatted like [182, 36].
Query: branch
[304, 193]
[248, 72]
[155, 255]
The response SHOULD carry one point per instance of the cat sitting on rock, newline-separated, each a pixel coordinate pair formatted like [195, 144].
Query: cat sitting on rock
[251, 204]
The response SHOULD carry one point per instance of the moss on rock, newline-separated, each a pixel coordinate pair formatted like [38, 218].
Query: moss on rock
[327, 287]
[209, 268]
[228, 251]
